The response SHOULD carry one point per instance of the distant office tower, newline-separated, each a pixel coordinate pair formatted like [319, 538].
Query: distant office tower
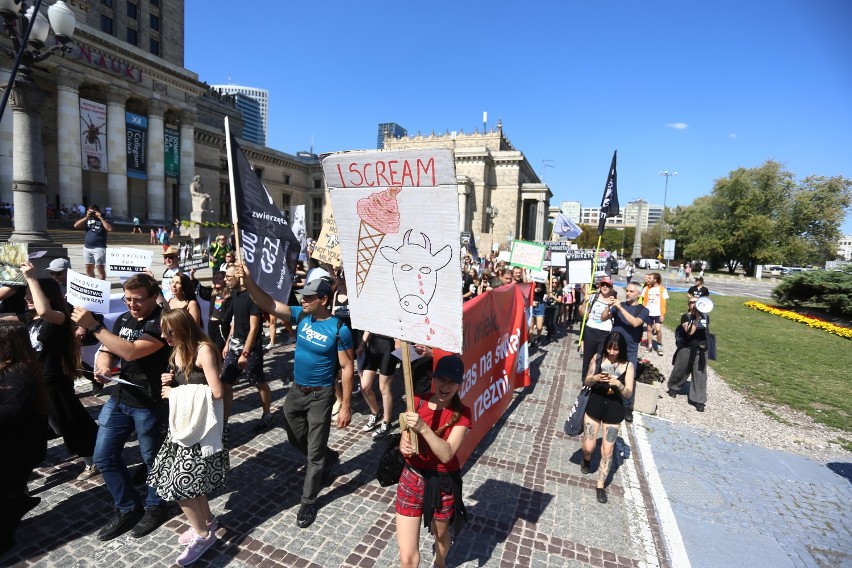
[391, 129]
[252, 120]
[260, 95]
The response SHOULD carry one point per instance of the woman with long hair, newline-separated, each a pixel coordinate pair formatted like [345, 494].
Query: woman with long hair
[430, 487]
[183, 297]
[23, 426]
[193, 460]
[52, 336]
[611, 381]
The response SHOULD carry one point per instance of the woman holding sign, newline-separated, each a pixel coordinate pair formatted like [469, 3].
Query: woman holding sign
[430, 486]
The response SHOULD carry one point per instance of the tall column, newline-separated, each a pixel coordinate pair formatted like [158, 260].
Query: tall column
[68, 133]
[187, 162]
[117, 150]
[540, 216]
[6, 143]
[463, 192]
[28, 179]
[156, 161]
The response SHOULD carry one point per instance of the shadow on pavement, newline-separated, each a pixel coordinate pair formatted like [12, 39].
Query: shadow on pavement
[842, 469]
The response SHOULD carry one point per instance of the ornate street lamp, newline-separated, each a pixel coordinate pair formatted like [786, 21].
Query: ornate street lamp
[28, 30]
[667, 174]
[492, 212]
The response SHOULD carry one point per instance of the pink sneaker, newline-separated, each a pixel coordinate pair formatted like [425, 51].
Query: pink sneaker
[196, 547]
[190, 532]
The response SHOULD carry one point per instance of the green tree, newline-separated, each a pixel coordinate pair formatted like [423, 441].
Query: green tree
[763, 215]
[611, 240]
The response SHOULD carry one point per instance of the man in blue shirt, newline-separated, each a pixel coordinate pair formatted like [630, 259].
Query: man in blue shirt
[94, 247]
[323, 347]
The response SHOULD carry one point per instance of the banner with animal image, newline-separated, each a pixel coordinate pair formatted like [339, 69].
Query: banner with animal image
[137, 136]
[327, 247]
[397, 220]
[93, 132]
[12, 255]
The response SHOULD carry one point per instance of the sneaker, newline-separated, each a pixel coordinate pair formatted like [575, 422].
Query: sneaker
[150, 521]
[187, 535]
[335, 409]
[371, 422]
[628, 416]
[120, 523]
[383, 430]
[584, 467]
[289, 340]
[306, 516]
[196, 547]
[600, 494]
[88, 472]
[264, 424]
[269, 346]
[660, 350]
[699, 406]
[672, 393]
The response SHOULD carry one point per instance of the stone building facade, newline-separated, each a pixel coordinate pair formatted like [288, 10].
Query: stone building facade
[491, 174]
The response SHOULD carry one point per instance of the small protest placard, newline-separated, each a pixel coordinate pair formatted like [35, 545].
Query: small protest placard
[327, 247]
[579, 264]
[126, 261]
[88, 293]
[12, 255]
[527, 254]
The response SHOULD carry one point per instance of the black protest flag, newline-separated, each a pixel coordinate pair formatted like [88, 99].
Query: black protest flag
[269, 248]
[609, 201]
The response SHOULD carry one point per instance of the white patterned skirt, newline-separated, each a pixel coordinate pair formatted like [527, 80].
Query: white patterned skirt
[182, 473]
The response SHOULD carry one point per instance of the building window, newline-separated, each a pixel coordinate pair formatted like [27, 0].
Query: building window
[318, 183]
[131, 10]
[154, 46]
[107, 3]
[316, 217]
[285, 206]
[155, 23]
[106, 25]
[259, 172]
[286, 179]
[155, 3]
[132, 36]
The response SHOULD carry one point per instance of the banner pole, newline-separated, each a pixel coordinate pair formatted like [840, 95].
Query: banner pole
[409, 392]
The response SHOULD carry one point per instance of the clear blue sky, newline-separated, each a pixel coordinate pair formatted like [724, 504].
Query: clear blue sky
[700, 88]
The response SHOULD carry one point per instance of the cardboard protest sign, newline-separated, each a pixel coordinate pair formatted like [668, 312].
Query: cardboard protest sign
[193, 258]
[527, 255]
[12, 255]
[327, 247]
[89, 293]
[495, 358]
[126, 261]
[579, 264]
[398, 225]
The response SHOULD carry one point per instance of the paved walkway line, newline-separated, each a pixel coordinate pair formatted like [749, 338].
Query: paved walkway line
[670, 530]
[635, 504]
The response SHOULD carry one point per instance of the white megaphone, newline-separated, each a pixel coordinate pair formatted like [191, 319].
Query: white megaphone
[704, 305]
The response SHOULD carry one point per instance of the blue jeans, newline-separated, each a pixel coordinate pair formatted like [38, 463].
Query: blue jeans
[116, 422]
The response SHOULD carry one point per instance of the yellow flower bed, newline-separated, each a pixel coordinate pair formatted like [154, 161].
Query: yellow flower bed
[808, 320]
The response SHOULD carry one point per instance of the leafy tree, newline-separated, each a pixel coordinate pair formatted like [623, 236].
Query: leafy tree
[611, 240]
[763, 215]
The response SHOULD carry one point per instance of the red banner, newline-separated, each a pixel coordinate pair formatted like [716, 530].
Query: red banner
[495, 358]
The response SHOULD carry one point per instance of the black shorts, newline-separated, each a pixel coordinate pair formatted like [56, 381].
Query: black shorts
[253, 372]
[605, 409]
[381, 361]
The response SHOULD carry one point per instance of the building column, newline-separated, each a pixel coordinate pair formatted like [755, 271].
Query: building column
[117, 151]
[68, 132]
[156, 161]
[6, 143]
[464, 202]
[187, 161]
[540, 220]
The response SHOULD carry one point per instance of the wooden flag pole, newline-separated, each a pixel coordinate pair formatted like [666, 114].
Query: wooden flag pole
[585, 311]
[409, 393]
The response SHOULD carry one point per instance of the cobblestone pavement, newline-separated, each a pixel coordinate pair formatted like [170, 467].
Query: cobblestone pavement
[727, 504]
[528, 503]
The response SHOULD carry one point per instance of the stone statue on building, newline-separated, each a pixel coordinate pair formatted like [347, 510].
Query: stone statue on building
[200, 200]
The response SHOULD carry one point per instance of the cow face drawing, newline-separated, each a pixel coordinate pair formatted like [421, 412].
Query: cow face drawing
[415, 271]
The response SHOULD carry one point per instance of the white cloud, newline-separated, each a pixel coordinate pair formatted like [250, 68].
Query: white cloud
[732, 135]
[677, 125]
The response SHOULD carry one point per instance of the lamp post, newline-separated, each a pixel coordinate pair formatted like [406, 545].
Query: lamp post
[28, 30]
[491, 211]
[665, 196]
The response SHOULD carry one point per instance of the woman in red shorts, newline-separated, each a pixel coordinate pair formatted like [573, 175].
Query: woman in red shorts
[430, 486]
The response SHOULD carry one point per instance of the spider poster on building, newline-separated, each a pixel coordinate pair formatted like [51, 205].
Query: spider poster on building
[397, 217]
[93, 132]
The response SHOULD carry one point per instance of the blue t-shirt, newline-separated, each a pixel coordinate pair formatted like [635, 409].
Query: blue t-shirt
[315, 362]
[96, 234]
[632, 335]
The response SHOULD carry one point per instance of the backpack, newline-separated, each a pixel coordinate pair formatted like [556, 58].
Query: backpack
[303, 315]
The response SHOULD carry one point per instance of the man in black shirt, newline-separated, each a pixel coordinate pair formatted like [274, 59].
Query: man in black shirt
[699, 290]
[94, 247]
[136, 344]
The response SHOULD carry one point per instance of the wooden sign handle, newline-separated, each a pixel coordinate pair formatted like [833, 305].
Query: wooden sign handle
[409, 391]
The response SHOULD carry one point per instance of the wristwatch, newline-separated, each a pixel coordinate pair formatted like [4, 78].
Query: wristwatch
[97, 328]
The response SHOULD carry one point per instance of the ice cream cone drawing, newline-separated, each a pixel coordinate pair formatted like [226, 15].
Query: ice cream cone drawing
[379, 213]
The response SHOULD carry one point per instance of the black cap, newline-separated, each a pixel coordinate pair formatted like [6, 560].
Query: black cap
[318, 287]
[450, 367]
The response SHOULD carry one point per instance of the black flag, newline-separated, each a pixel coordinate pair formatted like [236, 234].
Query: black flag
[269, 247]
[609, 202]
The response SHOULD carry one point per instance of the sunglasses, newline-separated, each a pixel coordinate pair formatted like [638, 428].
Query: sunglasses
[172, 256]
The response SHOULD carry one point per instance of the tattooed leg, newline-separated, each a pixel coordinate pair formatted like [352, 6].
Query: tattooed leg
[611, 434]
[607, 445]
[603, 471]
[590, 436]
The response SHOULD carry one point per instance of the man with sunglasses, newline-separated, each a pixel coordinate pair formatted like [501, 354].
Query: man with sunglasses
[172, 263]
[135, 344]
